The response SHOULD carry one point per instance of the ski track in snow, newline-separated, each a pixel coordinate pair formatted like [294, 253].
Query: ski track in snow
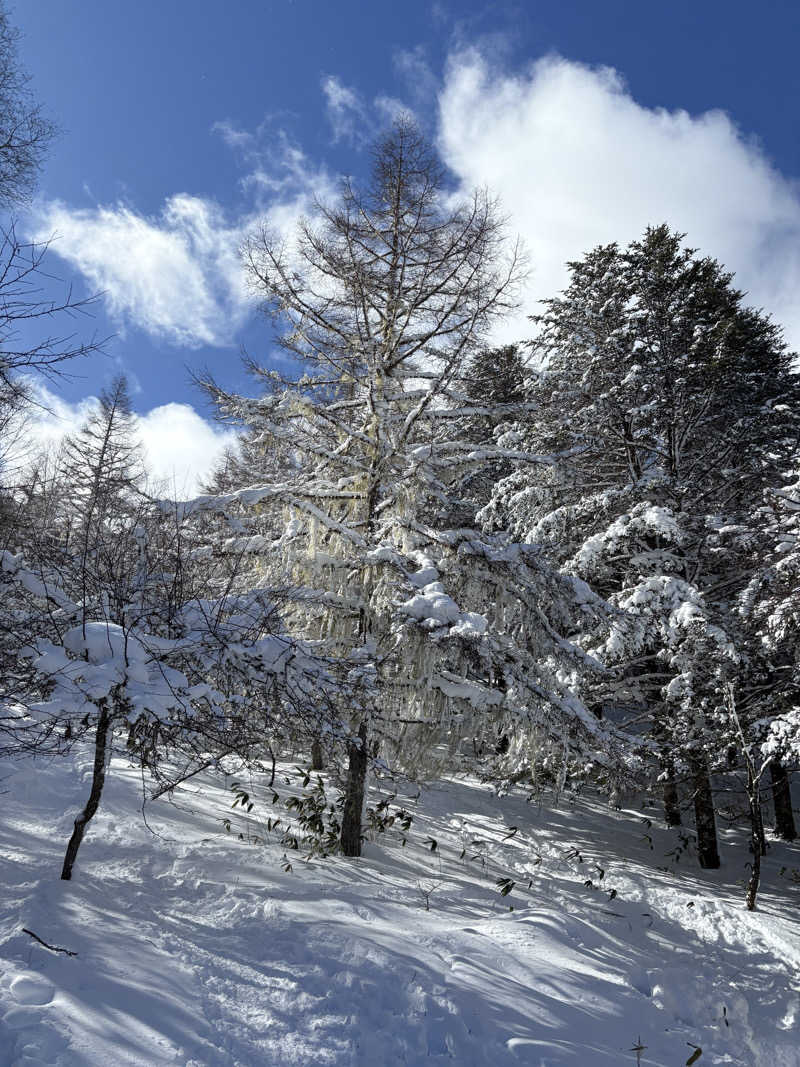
[195, 949]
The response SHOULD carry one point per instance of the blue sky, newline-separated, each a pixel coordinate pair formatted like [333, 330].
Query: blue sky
[185, 123]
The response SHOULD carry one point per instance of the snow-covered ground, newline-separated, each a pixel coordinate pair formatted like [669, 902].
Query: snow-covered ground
[196, 948]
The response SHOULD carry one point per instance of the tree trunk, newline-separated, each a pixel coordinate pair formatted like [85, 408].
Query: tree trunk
[782, 799]
[762, 837]
[317, 756]
[756, 836]
[102, 742]
[707, 850]
[672, 806]
[354, 797]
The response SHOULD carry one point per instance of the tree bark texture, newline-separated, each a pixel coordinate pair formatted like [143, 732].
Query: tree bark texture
[756, 836]
[707, 850]
[102, 740]
[672, 807]
[317, 756]
[354, 796]
[782, 799]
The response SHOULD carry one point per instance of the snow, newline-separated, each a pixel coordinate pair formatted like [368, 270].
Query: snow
[435, 609]
[104, 642]
[198, 949]
[643, 518]
[113, 658]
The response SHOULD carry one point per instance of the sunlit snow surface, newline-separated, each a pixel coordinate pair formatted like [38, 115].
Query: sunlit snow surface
[197, 949]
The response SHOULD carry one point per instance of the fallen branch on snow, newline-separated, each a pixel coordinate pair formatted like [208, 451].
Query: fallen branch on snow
[53, 948]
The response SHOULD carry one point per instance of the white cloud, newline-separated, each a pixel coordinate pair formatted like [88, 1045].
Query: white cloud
[346, 112]
[39, 427]
[360, 122]
[178, 275]
[576, 162]
[414, 69]
[284, 181]
[234, 137]
[391, 109]
[180, 447]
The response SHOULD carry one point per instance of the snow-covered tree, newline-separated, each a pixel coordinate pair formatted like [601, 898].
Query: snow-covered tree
[670, 406]
[769, 610]
[113, 630]
[449, 633]
[494, 382]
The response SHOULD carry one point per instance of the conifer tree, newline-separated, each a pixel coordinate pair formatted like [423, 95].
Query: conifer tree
[494, 383]
[670, 406]
[769, 608]
[385, 300]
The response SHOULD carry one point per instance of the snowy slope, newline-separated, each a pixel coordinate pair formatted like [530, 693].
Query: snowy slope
[197, 949]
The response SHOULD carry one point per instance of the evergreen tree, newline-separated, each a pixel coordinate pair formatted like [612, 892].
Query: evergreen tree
[769, 608]
[669, 407]
[494, 383]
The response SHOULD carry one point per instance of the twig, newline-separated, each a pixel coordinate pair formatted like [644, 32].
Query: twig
[53, 948]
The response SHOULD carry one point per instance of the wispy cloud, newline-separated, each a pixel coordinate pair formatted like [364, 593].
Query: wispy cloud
[234, 137]
[414, 69]
[347, 113]
[177, 275]
[576, 161]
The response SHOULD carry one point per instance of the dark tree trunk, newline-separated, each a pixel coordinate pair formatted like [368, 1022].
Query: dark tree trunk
[317, 756]
[672, 806]
[102, 740]
[782, 798]
[354, 796]
[762, 837]
[757, 843]
[707, 850]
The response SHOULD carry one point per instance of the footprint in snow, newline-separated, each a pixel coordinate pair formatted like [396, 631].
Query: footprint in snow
[32, 989]
[20, 1017]
[274, 914]
[639, 979]
[33, 1041]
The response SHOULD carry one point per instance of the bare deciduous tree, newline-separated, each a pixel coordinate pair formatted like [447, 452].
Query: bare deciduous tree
[384, 299]
[25, 132]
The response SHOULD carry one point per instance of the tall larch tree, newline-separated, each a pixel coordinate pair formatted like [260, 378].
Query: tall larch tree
[384, 300]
